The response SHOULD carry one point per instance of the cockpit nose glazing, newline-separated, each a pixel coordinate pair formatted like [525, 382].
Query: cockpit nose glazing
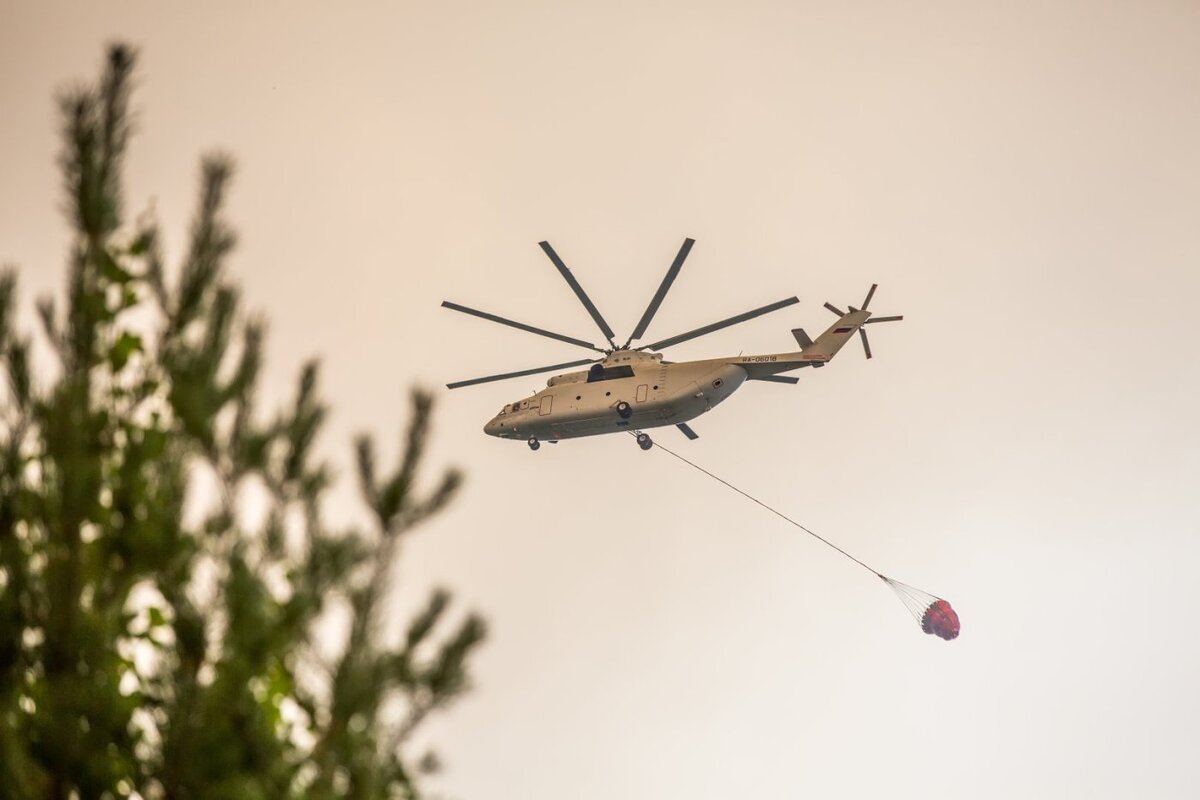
[503, 424]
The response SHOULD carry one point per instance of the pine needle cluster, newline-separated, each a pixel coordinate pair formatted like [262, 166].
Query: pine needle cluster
[151, 649]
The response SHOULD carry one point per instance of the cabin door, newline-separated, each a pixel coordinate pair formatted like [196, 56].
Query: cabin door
[547, 402]
[642, 391]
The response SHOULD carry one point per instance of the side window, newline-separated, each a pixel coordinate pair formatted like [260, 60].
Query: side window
[599, 373]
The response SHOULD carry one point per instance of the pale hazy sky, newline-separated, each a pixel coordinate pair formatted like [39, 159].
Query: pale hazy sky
[1021, 179]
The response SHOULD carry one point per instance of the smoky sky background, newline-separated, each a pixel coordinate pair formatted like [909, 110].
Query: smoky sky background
[1021, 179]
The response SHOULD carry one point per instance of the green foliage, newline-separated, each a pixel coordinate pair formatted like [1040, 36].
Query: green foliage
[144, 649]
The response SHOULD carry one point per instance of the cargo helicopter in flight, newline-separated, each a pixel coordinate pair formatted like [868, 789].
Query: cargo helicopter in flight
[628, 389]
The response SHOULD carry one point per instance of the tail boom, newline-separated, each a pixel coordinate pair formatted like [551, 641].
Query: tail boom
[816, 354]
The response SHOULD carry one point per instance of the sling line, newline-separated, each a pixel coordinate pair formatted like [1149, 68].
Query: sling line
[774, 511]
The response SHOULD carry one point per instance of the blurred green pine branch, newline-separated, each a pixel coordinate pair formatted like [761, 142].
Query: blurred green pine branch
[142, 654]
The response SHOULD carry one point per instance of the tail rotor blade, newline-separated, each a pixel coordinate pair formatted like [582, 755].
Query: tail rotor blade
[870, 294]
[579, 292]
[862, 330]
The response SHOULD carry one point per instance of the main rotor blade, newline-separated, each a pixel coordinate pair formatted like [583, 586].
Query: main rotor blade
[579, 292]
[873, 320]
[725, 323]
[519, 325]
[656, 301]
[866, 344]
[490, 378]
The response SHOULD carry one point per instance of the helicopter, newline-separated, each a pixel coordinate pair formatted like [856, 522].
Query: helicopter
[628, 389]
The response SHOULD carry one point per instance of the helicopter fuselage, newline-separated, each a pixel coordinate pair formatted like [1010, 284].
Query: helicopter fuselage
[633, 390]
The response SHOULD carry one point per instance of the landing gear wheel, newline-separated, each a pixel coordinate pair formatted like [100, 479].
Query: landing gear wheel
[534, 444]
[624, 410]
[644, 441]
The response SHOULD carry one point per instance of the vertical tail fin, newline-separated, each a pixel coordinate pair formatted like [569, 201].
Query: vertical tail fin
[834, 339]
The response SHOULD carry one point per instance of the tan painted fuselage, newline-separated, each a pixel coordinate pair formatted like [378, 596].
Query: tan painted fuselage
[658, 394]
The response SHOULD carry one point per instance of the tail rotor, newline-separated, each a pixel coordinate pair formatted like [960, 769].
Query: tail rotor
[862, 331]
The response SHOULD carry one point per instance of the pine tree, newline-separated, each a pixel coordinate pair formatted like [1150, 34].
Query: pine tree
[140, 651]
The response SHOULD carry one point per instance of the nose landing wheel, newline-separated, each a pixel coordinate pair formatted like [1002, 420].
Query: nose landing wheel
[534, 444]
[644, 441]
[624, 410]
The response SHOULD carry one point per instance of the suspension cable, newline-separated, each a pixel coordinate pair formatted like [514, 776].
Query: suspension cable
[774, 511]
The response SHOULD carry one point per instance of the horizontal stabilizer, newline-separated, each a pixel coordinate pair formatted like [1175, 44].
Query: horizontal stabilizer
[777, 378]
[687, 431]
[802, 338]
